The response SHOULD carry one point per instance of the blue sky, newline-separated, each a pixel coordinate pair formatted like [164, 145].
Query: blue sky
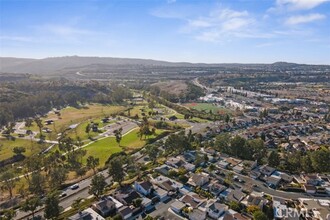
[222, 31]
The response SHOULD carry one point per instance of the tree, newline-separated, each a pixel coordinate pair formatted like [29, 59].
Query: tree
[31, 205]
[222, 143]
[57, 176]
[252, 209]
[38, 121]
[306, 164]
[9, 181]
[8, 214]
[259, 215]
[52, 207]
[88, 129]
[274, 159]
[227, 118]
[97, 186]
[137, 202]
[9, 128]
[76, 203]
[152, 152]
[92, 163]
[118, 135]
[36, 183]
[18, 150]
[320, 160]
[234, 206]
[28, 122]
[116, 170]
[236, 146]
[258, 149]
[177, 143]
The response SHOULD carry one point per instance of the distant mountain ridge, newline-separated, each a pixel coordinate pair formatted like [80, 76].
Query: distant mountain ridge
[69, 64]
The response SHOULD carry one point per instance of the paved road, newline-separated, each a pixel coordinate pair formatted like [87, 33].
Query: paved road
[72, 195]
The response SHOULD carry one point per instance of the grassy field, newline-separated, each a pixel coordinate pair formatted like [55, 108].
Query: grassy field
[80, 130]
[207, 107]
[72, 115]
[105, 147]
[7, 146]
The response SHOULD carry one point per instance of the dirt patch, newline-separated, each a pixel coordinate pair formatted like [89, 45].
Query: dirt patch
[172, 87]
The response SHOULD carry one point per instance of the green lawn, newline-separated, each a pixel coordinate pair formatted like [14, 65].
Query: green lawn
[72, 115]
[102, 149]
[79, 131]
[7, 146]
[207, 107]
[105, 147]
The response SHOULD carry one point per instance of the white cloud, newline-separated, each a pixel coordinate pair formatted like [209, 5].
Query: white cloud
[300, 19]
[221, 23]
[292, 5]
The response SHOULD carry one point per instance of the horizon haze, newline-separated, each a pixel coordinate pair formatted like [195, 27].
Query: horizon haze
[172, 30]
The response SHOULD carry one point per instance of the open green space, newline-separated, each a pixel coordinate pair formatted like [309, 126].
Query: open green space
[103, 148]
[31, 147]
[71, 115]
[207, 107]
[80, 130]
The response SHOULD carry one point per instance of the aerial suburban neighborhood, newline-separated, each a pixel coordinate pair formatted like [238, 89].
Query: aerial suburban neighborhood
[164, 110]
[223, 153]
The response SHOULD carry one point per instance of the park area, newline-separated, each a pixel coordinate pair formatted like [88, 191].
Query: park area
[105, 147]
[207, 107]
[31, 147]
[71, 116]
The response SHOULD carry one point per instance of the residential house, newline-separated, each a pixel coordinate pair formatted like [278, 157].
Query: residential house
[235, 195]
[310, 179]
[273, 181]
[175, 162]
[310, 189]
[161, 194]
[250, 165]
[266, 170]
[197, 214]
[286, 177]
[190, 167]
[146, 203]
[163, 169]
[318, 208]
[177, 206]
[238, 168]
[105, 207]
[255, 200]
[145, 187]
[87, 214]
[127, 198]
[167, 184]
[198, 179]
[125, 212]
[232, 215]
[216, 188]
[192, 199]
[222, 164]
[254, 174]
[215, 209]
[233, 161]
